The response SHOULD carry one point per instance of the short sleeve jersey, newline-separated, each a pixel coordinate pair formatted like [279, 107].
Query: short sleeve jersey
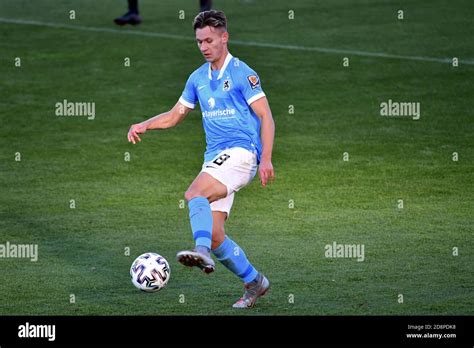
[225, 96]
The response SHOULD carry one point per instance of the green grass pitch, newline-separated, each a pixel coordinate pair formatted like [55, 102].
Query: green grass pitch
[422, 251]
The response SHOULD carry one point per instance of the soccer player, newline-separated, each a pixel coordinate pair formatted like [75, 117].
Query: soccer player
[239, 132]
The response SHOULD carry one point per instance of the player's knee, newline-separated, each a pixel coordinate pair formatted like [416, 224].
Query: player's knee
[190, 194]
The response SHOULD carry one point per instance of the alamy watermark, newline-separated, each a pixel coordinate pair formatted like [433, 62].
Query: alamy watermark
[25, 251]
[37, 331]
[66, 108]
[347, 251]
[400, 109]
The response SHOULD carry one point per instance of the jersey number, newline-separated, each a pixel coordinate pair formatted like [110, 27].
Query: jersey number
[221, 159]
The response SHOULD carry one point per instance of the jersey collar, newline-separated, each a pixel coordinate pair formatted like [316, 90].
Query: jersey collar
[221, 73]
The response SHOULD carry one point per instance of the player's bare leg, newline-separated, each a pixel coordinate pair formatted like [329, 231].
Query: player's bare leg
[206, 186]
[218, 233]
[203, 191]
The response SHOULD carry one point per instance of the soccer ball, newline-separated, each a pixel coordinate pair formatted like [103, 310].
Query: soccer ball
[150, 272]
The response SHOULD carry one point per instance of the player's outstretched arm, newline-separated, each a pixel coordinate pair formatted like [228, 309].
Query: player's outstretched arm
[162, 121]
[267, 133]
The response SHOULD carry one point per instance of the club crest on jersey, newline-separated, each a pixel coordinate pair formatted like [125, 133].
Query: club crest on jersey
[211, 102]
[254, 81]
[226, 85]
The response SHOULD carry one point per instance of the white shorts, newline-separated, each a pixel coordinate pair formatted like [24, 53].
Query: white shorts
[235, 168]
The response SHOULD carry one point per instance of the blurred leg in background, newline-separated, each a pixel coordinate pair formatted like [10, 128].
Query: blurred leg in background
[132, 16]
[206, 5]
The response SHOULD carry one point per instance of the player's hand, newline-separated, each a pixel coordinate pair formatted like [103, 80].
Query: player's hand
[266, 172]
[136, 129]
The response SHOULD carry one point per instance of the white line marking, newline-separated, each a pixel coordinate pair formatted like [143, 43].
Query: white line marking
[94, 29]
[237, 42]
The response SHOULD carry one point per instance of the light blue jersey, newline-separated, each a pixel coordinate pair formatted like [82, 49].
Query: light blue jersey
[224, 97]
